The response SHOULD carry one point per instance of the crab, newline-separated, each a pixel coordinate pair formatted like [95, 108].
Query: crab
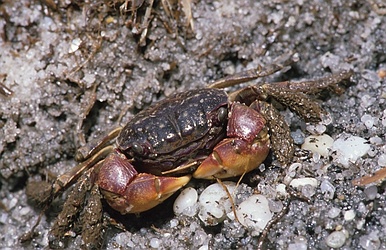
[204, 133]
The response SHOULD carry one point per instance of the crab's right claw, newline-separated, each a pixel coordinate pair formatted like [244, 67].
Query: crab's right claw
[128, 191]
[145, 192]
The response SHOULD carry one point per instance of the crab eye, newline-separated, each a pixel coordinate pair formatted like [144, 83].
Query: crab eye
[137, 148]
[222, 114]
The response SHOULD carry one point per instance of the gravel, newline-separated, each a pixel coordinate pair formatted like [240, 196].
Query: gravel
[76, 71]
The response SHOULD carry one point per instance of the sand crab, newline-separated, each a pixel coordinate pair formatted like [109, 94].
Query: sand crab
[203, 133]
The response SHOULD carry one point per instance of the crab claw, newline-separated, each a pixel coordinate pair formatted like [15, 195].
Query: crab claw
[245, 148]
[128, 191]
[232, 157]
[147, 191]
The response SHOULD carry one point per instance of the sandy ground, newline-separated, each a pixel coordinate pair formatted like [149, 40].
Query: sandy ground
[76, 69]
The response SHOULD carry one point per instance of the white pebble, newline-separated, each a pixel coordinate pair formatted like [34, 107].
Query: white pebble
[382, 160]
[297, 246]
[300, 182]
[25, 211]
[333, 212]
[370, 241]
[336, 239]
[186, 200]
[74, 46]
[173, 223]
[368, 120]
[317, 129]
[3, 218]
[328, 189]
[349, 215]
[371, 192]
[376, 140]
[214, 203]
[318, 144]
[254, 212]
[155, 243]
[349, 149]
[281, 189]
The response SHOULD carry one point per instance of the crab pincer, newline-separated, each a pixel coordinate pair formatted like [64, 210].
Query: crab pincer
[245, 147]
[128, 191]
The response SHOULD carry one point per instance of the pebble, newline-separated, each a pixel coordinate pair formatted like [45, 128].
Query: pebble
[173, 223]
[300, 182]
[318, 144]
[368, 120]
[349, 149]
[298, 137]
[254, 212]
[371, 192]
[74, 46]
[370, 241]
[155, 243]
[349, 215]
[281, 189]
[328, 189]
[185, 202]
[300, 243]
[336, 239]
[333, 212]
[214, 203]
[24, 211]
[382, 160]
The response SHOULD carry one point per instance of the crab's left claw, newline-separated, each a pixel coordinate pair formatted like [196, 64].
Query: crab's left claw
[245, 148]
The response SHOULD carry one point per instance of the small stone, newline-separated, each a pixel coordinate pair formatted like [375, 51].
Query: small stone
[300, 182]
[370, 241]
[333, 212]
[186, 200]
[349, 149]
[349, 215]
[74, 46]
[173, 223]
[336, 239]
[376, 140]
[371, 192]
[298, 137]
[318, 144]
[214, 203]
[281, 189]
[382, 160]
[254, 212]
[155, 243]
[368, 120]
[328, 189]
[24, 211]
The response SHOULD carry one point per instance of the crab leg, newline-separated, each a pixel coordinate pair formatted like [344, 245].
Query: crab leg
[67, 178]
[245, 148]
[313, 86]
[94, 146]
[258, 72]
[128, 191]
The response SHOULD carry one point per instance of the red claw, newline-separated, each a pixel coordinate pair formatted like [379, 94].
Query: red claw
[245, 148]
[128, 191]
